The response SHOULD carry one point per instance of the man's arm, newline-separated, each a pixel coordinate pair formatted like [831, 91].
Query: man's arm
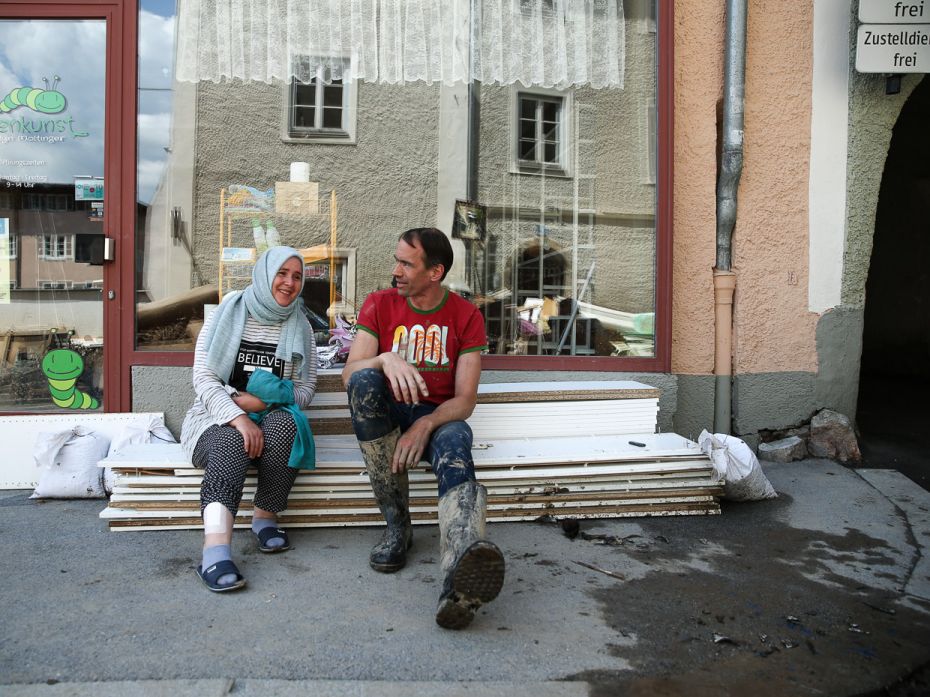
[413, 442]
[405, 381]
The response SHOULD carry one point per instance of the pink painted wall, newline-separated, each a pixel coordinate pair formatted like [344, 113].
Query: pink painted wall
[773, 330]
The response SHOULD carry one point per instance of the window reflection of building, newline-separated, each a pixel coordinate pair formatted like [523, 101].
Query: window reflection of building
[541, 132]
[48, 231]
[574, 162]
[322, 106]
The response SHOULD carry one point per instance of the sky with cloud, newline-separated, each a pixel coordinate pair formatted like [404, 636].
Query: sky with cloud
[74, 51]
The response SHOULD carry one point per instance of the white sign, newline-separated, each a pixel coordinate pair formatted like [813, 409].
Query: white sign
[889, 12]
[88, 189]
[893, 48]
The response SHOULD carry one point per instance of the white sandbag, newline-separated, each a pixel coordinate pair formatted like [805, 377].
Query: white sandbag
[737, 466]
[68, 464]
[152, 430]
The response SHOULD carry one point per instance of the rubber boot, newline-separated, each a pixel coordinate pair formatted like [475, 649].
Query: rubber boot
[473, 567]
[392, 492]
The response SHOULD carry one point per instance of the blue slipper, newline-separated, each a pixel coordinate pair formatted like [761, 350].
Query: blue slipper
[270, 533]
[213, 573]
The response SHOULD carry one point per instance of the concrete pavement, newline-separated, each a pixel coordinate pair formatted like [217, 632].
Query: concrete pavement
[825, 590]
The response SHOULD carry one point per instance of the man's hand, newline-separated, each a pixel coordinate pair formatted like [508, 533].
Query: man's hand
[405, 381]
[249, 403]
[412, 444]
[252, 437]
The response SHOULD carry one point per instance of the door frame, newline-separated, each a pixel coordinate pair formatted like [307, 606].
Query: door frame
[119, 168]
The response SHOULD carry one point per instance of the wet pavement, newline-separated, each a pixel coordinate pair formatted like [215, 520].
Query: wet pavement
[825, 590]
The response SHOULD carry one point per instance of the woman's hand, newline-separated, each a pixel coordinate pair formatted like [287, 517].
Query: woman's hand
[249, 403]
[252, 437]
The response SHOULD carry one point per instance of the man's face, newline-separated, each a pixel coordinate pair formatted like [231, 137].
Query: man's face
[411, 275]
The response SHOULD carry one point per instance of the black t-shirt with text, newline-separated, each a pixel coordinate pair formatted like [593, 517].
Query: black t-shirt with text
[252, 356]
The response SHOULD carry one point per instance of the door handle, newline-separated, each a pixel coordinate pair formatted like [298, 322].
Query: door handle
[109, 249]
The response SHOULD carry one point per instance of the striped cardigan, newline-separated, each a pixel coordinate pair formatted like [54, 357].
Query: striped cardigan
[213, 403]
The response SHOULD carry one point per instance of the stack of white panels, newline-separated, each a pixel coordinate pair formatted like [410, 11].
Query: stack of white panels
[526, 453]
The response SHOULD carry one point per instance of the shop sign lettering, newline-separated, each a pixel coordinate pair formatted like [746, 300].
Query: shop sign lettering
[37, 127]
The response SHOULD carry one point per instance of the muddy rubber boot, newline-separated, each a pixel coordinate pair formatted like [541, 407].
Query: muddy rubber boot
[392, 492]
[473, 567]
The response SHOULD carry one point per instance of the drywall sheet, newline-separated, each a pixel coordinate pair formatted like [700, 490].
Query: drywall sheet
[18, 436]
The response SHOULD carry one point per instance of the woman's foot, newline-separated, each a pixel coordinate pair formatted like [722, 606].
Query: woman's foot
[218, 571]
[271, 538]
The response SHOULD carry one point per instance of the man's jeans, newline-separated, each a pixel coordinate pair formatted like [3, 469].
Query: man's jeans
[375, 414]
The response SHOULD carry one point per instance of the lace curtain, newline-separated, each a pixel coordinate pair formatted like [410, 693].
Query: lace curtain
[548, 43]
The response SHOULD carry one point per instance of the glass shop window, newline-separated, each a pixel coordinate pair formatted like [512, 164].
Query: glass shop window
[543, 173]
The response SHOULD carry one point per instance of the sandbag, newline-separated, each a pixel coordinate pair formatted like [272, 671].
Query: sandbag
[152, 431]
[737, 466]
[68, 462]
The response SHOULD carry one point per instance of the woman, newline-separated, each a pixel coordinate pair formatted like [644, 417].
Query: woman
[229, 429]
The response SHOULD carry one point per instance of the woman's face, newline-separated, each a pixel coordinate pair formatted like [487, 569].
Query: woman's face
[287, 282]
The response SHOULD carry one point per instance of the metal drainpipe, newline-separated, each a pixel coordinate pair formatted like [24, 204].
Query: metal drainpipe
[731, 166]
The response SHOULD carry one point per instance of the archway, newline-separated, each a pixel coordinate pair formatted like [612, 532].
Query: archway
[895, 371]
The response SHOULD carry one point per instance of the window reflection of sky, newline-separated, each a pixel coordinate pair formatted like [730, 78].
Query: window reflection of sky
[156, 75]
[164, 8]
[74, 50]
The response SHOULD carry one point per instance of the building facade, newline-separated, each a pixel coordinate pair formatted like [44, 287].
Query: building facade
[569, 149]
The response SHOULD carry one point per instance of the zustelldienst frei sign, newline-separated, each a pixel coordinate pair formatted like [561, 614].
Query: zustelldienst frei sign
[894, 37]
[40, 116]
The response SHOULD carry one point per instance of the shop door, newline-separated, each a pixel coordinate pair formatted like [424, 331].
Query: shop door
[58, 199]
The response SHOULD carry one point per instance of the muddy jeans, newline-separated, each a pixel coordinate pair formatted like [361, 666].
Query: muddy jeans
[375, 414]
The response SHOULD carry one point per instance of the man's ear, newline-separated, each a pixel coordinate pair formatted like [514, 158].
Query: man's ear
[436, 271]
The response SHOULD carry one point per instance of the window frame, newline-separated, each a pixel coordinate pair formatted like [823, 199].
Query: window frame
[563, 165]
[346, 135]
[46, 284]
[13, 246]
[344, 257]
[67, 245]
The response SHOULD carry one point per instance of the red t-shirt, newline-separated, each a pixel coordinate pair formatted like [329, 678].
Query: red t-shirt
[434, 339]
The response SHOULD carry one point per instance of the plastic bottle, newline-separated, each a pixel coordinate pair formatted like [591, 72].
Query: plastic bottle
[261, 244]
[272, 238]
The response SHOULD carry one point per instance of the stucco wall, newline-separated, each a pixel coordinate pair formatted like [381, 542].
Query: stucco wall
[774, 331]
[385, 183]
[772, 328]
[698, 84]
[788, 362]
[872, 116]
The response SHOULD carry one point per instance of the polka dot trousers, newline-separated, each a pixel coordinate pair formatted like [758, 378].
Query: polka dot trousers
[221, 454]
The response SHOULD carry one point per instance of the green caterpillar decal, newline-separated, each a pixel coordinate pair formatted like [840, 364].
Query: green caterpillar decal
[47, 101]
[62, 367]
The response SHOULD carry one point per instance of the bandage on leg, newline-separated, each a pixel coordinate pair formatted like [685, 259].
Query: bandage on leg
[217, 519]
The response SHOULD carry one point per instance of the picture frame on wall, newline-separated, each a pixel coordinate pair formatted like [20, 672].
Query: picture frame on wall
[469, 221]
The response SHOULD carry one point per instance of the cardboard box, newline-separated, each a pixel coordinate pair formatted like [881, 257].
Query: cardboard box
[297, 198]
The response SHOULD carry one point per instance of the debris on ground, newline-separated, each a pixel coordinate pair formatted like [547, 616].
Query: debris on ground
[613, 574]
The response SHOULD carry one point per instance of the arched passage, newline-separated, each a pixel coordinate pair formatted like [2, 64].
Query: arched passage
[894, 408]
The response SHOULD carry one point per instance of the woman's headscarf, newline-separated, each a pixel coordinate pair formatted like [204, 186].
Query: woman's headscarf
[222, 341]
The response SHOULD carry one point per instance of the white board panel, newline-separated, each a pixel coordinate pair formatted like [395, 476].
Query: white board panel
[18, 436]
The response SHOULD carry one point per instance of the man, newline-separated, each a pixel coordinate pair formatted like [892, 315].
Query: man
[412, 378]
